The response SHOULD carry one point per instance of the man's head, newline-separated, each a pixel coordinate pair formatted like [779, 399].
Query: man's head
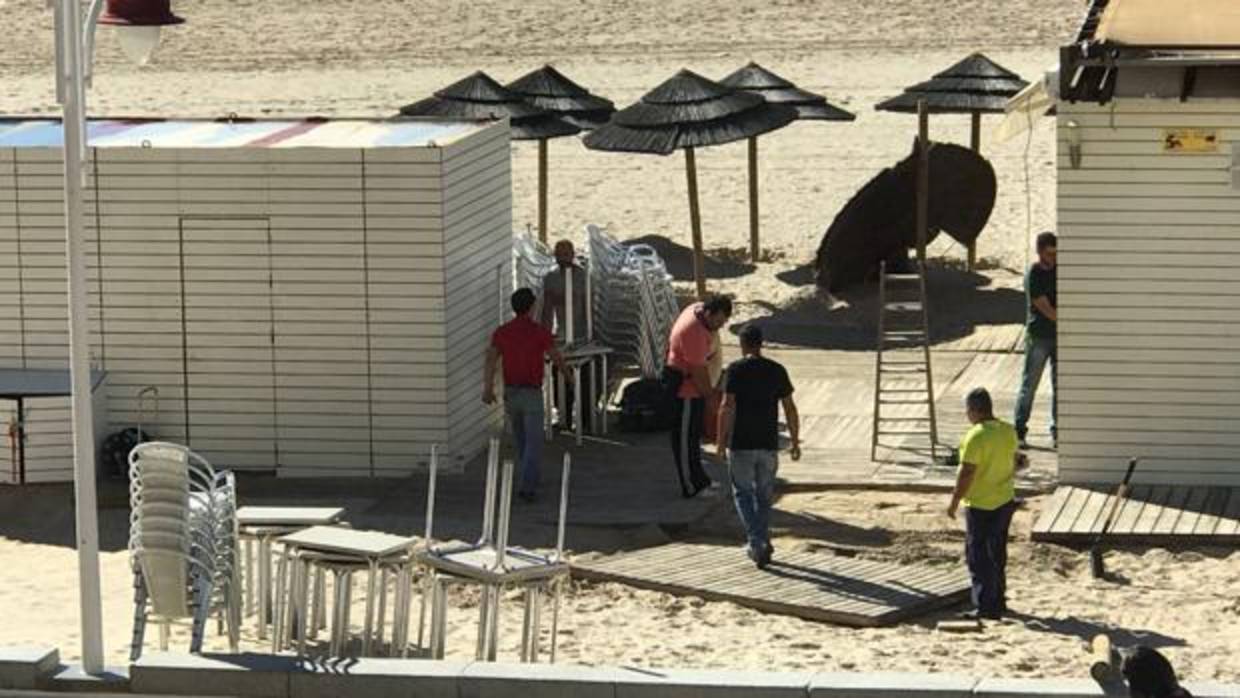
[978, 406]
[565, 255]
[716, 311]
[751, 340]
[1047, 248]
[523, 300]
[1149, 674]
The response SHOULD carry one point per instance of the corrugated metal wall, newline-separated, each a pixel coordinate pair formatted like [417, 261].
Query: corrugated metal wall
[291, 305]
[1149, 295]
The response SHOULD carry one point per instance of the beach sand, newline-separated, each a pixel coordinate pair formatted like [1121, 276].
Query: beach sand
[332, 57]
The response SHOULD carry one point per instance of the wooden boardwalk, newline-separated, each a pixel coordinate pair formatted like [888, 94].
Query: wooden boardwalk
[1150, 514]
[815, 586]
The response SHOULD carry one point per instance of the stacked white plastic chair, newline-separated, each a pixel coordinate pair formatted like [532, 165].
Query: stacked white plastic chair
[633, 300]
[182, 543]
[493, 565]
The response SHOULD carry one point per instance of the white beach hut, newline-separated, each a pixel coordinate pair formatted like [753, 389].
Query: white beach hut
[309, 298]
[1149, 221]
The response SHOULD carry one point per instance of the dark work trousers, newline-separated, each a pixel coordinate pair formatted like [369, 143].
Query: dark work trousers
[985, 548]
[687, 445]
[587, 399]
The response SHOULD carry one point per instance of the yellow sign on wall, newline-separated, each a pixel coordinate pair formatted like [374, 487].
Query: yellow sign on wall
[1190, 140]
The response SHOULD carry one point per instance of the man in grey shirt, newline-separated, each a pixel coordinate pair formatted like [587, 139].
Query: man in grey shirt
[553, 307]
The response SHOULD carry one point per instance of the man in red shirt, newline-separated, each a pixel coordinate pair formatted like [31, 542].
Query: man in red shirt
[688, 354]
[521, 344]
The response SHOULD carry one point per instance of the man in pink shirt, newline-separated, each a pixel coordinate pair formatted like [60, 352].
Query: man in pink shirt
[688, 354]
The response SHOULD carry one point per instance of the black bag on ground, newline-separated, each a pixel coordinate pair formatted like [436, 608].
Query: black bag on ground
[645, 405]
[114, 454]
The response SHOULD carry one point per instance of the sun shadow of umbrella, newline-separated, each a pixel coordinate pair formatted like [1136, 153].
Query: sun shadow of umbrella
[679, 260]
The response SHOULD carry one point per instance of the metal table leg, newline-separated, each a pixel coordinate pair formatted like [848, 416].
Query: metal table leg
[576, 411]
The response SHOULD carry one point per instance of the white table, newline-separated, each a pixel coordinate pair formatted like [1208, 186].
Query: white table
[588, 355]
[343, 551]
[263, 525]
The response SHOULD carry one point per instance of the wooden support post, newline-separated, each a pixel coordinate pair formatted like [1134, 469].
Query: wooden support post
[695, 221]
[755, 248]
[975, 142]
[542, 190]
[923, 181]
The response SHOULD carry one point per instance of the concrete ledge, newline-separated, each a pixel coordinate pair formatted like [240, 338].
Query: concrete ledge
[483, 680]
[257, 675]
[376, 678]
[27, 666]
[1212, 689]
[74, 679]
[654, 683]
[1048, 688]
[888, 684]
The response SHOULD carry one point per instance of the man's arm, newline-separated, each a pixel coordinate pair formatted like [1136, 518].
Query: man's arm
[727, 418]
[488, 375]
[558, 359]
[794, 426]
[701, 379]
[1043, 305]
[964, 479]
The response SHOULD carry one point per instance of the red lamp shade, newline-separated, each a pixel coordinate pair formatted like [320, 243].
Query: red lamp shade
[139, 13]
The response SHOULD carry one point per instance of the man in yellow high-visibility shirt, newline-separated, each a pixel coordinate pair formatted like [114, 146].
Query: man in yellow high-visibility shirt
[986, 483]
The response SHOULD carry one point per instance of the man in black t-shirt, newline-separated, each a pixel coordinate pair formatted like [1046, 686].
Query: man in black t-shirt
[1041, 319]
[754, 388]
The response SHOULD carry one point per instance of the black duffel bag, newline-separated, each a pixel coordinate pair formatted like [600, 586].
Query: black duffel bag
[649, 404]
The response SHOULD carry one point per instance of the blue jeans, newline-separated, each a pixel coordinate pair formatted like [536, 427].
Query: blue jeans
[985, 550]
[524, 407]
[753, 487]
[1038, 350]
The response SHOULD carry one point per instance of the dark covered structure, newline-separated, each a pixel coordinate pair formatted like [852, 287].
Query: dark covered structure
[879, 222]
[974, 86]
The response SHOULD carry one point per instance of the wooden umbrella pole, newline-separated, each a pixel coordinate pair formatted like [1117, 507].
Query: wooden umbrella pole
[923, 181]
[695, 221]
[542, 190]
[755, 248]
[975, 142]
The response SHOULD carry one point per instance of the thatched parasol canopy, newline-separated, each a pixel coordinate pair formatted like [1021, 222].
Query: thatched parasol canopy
[879, 223]
[974, 85]
[688, 111]
[479, 96]
[549, 89]
[685, 112]
[778, 90]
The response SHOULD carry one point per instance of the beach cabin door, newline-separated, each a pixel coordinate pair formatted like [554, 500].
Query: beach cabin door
[228, 340]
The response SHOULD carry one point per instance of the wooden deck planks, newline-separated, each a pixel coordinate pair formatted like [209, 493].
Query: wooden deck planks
[816, 586]
[1150, 514]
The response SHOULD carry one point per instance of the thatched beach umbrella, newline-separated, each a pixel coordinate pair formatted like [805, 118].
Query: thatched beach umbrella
[548, 89]
[686, 112]
[777, 90]
[974, 86]
[479, 96]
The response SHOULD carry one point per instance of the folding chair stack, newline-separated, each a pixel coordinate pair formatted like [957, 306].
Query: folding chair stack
[637, 332]
[182, 544]
[494, 565]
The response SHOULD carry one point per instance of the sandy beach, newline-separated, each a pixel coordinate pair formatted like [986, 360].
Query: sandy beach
[332, 57]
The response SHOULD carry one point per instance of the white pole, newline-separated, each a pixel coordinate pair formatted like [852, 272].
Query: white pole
[72, 91]
[430, 496]
[559, 538]
[589, 304]
[568, 306]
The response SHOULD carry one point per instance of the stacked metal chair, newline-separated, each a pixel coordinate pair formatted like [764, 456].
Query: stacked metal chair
[494, 565]
[637, 331]
[182, 543]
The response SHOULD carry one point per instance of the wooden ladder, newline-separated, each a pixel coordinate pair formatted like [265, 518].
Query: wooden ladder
[903, 382]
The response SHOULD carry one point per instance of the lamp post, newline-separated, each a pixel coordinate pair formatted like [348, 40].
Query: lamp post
[140, 21]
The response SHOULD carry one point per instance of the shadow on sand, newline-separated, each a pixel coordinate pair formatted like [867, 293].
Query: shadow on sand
[960, 302]
[720, 264]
